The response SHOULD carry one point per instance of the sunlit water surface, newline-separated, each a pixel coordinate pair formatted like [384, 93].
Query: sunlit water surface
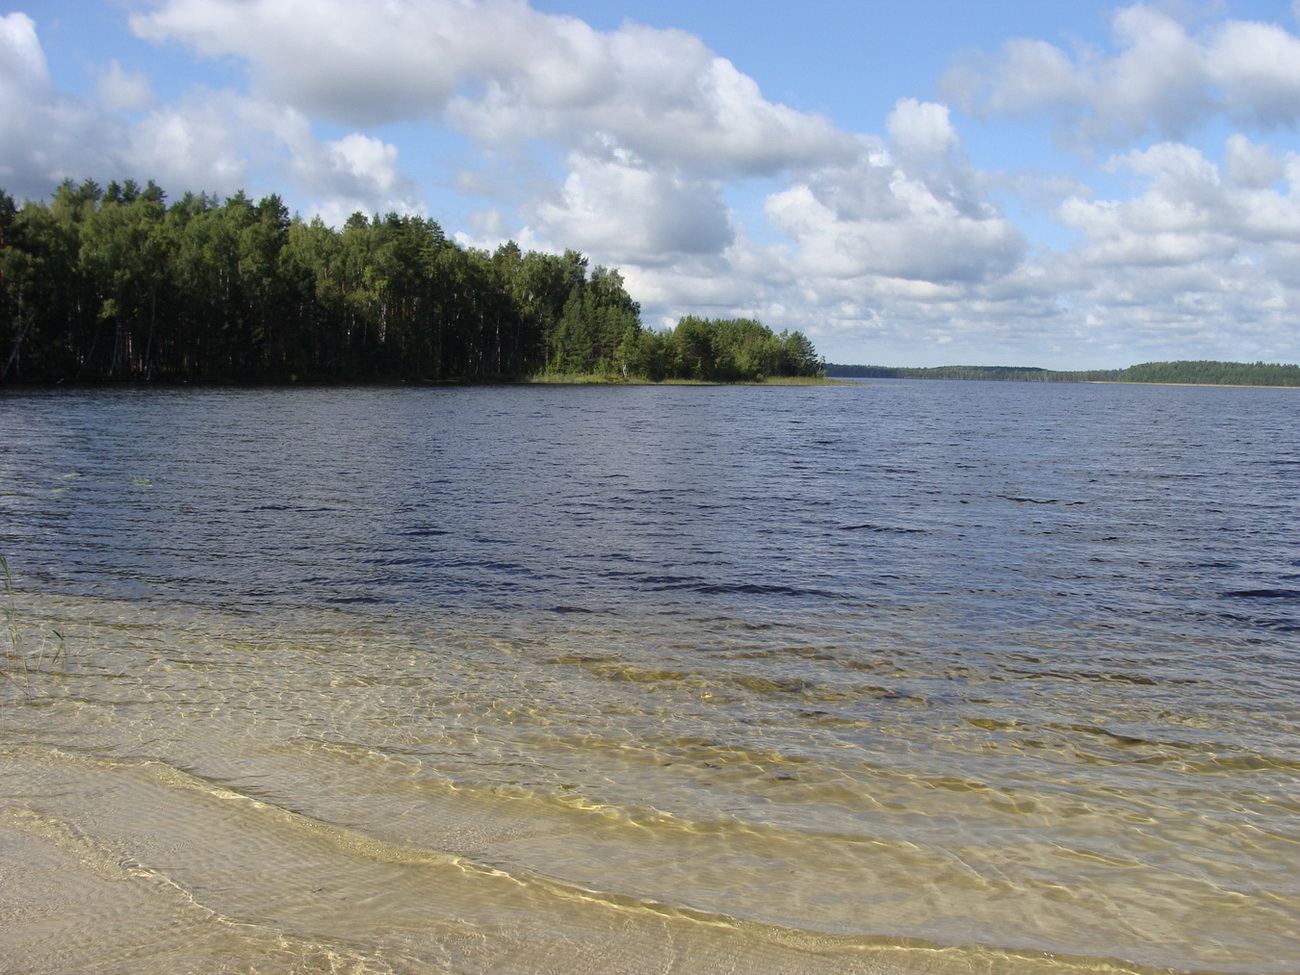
[893, 677]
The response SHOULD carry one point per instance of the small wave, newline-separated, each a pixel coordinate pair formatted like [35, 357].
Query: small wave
[1025, 500]
[1085, 675]
[759, 589]
[697, 584]
[688, 584]
[1276, 624]
[883, 529]
[1263, 594]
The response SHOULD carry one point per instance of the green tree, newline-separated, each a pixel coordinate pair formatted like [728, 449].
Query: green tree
[693, 348]
[798, 356]
[111, 283]
[122, 250]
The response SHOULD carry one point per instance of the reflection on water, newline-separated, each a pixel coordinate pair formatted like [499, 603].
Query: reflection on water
[896, 678]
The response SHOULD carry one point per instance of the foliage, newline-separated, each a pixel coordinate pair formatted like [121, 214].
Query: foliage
[1205, 373]
[113, 284]
[727, 350]
[1213, 373]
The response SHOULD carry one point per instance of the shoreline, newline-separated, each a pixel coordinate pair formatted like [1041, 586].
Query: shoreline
[548, 380]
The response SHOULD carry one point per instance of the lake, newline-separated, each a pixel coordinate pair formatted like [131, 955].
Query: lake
[888, 677]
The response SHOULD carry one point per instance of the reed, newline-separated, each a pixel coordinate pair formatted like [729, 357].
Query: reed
[19, 661]
[13, 655]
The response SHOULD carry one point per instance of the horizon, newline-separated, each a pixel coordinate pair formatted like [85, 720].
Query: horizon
[1071, 185]
[1031, 368]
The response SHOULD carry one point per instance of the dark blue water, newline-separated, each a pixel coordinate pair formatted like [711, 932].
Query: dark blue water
[1041, 635]
[1051, 503]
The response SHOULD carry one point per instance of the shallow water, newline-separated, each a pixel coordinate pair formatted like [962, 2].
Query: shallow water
[896, 677]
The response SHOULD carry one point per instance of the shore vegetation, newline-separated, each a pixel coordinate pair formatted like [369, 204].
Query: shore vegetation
[115, 284]
[22, 656]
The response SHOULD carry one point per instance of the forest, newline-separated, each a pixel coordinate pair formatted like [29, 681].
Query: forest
[115, 284]
[1198, 372]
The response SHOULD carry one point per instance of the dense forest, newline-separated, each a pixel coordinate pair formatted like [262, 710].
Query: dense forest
[1200, 372]
[113, 283]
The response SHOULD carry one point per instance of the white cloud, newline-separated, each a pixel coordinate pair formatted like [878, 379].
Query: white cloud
[1257, 67]
[1251, 165]
[1162, 78]
[1197, 264]
[1192, 210]
[337, 59]
[22, 60]
[122, 90]
[504, 73]
[216, 141]
[44, 136]
[664, 98]
[921, 127]
[617, 206]
[370, 161]
[1030, 76]
[199, 143]
[914, 212]
[355, 173]
[222, 142]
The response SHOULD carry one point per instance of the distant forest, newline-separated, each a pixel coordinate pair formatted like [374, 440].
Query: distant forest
[114, 284]
[1199, 372]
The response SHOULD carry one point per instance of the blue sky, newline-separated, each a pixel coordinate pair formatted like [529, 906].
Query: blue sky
[1069, 184]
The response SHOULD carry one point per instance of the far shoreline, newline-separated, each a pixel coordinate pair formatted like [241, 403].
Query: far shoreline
[1182, 372]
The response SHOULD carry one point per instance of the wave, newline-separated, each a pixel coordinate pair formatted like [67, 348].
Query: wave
[231, 878]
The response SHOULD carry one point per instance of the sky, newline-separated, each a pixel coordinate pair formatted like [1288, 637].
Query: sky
[1073, 185]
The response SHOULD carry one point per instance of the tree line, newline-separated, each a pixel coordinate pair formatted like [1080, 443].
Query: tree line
[1196, 372]
[114, 283]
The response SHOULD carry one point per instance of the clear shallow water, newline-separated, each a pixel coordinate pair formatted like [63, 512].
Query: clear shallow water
[899, 677]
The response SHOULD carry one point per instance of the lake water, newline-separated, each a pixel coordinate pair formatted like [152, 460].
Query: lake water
[893, 677]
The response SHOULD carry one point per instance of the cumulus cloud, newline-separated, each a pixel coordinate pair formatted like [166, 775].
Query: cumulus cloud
[1163, 78]
[371, 162]
[22, 60]
[44, 135]
[1194, 264]
[921, 127]
[208, 140]
[1193, 209]
[908, 210]
[663, 97]
[1200, 261]
[122, 90]
[615, 205]
[47, 135]
[743, 281]
[503, 73]
[339, 60]
[1251, 165]
[199, 143]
